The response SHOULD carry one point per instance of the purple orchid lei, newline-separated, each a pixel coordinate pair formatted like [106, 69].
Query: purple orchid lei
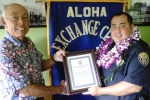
[107, 58]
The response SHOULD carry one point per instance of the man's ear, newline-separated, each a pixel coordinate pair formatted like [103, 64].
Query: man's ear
[132, 26]
[3, 22]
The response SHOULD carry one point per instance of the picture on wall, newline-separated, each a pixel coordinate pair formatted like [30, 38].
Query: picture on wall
[37, 11]
[140, 11]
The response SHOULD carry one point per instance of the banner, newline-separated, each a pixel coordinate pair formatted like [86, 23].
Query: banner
[76, 26]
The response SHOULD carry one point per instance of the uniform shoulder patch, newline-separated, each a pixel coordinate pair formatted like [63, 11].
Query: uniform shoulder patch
[143, 58]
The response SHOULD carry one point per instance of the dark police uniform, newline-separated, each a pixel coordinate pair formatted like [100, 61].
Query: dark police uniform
[135, 70]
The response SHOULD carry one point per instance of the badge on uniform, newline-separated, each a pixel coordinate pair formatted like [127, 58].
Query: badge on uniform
[143, 58]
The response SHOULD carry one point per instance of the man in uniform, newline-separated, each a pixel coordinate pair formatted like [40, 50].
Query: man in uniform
[124, 63]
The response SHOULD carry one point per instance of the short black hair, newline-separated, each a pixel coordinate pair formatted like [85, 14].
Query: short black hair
[129, 17]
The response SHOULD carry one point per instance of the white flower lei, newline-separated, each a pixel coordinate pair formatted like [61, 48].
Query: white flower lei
[107, 58]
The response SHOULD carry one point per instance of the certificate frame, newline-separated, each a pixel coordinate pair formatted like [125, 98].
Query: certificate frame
[80, 71]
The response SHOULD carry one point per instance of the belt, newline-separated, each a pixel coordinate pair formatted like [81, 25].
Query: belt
[41, 98]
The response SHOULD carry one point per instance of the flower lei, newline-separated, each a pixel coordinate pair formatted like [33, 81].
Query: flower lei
[107, 58]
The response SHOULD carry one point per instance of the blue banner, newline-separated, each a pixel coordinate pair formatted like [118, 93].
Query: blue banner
[75, 26]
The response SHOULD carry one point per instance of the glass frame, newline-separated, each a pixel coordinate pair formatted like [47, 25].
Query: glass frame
[37, 11]
[140, 12]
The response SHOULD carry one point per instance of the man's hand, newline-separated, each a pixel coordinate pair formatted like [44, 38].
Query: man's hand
[119, 89]
[58, 56]
[63, 89]
[92, 91]
[36, 90]
[27, 90]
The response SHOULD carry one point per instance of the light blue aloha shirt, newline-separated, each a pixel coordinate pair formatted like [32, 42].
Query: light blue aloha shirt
[20, 65]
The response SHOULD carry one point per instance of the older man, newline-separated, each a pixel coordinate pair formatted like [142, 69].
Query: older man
[124, 62]
[21, 64]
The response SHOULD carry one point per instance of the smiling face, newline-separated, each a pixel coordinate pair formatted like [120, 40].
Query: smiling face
[120, 28]
[16, 21]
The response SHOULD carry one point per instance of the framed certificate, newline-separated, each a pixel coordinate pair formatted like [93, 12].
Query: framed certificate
[81, 71]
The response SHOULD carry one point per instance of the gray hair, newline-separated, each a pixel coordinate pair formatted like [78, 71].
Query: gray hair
[6, 6]
[4, 11]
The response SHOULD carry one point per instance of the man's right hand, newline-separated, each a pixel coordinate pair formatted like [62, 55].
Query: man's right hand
[63, 88]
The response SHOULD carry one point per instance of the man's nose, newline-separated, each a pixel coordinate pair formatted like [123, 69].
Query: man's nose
[118, 29]
[20, 21]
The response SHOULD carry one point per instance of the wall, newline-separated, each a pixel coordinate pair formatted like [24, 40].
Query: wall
[39, 37]
[145, 33]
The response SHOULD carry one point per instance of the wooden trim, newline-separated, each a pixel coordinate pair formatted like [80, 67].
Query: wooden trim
[124, 7]
[48, 43]
[119, 1]
[47, 23]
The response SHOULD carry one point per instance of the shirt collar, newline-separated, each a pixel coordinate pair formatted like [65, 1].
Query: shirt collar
[14, 40]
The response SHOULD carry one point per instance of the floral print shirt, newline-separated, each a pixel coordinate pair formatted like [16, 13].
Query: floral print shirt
[20, 65]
